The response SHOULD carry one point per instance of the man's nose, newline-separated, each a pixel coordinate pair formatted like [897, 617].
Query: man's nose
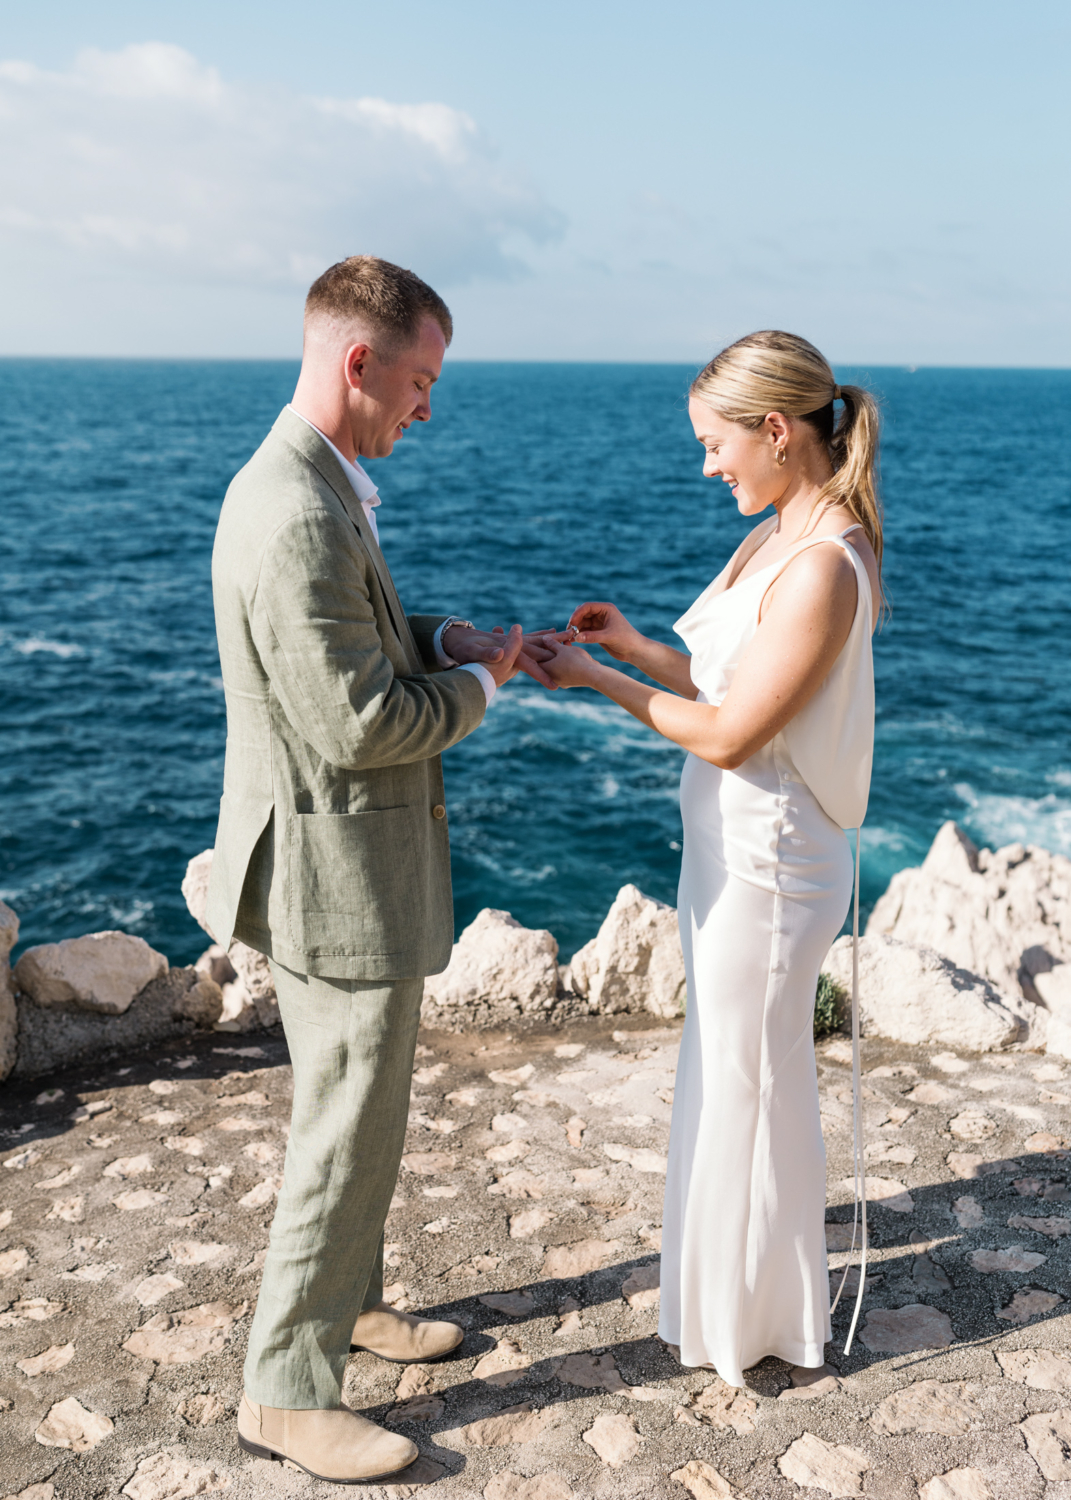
[423, 412]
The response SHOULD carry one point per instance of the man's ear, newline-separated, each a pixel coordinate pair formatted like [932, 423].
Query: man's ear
[356, 364]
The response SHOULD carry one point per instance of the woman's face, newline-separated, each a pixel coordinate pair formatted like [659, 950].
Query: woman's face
[742, 459]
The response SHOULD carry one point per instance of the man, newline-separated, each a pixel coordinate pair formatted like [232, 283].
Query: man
[332, 854]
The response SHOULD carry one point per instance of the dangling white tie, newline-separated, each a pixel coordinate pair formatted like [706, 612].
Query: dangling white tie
[857, 1126]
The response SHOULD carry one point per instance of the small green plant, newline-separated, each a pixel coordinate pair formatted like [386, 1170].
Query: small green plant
[830, 1006]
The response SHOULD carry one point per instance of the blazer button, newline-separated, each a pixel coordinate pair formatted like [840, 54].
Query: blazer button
[438, 811]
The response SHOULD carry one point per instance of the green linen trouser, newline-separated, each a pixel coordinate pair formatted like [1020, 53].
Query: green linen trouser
[352, 1043]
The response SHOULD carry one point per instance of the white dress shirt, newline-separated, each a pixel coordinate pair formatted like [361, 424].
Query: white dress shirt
[368, 495]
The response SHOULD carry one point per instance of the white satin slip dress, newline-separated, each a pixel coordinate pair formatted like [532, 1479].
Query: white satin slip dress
[766, 880]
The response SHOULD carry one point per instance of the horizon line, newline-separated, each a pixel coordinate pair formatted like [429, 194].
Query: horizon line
[908, 367]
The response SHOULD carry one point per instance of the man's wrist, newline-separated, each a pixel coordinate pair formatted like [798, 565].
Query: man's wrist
[442, 655]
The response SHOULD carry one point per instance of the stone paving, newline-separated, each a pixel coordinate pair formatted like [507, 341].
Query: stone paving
[135, 1199]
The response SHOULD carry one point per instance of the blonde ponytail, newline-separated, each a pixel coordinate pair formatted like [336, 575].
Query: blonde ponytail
[774, 371]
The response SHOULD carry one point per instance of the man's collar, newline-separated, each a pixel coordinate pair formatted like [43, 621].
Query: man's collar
[363, 487]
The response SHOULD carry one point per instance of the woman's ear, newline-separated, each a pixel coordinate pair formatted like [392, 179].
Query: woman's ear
[777, 428]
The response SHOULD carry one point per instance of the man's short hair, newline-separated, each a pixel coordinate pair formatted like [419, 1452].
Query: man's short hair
[392, 301]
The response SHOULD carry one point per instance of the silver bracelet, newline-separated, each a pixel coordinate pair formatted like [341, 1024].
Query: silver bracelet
[445, 626]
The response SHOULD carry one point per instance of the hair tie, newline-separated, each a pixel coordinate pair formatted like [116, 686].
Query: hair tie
[837, 396]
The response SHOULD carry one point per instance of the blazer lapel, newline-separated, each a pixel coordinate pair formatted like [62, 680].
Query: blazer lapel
[311, 446]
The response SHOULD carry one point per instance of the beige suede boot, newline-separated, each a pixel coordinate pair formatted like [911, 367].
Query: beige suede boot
[339, 1446]
[402, 1338]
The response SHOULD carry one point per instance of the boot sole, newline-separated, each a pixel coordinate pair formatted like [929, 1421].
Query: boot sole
[421, 1359]
[256, 1451]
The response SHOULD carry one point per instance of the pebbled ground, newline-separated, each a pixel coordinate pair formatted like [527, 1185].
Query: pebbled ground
[135, 1200]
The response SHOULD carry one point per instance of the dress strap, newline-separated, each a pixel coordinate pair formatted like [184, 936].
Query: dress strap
[857, 1126]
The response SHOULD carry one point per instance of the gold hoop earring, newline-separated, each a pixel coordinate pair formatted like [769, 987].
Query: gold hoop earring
[780, 456]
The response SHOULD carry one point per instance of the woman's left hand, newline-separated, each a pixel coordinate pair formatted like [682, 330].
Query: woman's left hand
[569, 666]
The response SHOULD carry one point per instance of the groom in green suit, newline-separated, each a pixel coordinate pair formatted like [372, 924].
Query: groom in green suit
[332, 854]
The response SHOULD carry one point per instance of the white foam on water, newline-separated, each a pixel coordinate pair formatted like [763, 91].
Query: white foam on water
[57, 648]
[138, 912]
[997, 820]
[546, 702]
[875, 837]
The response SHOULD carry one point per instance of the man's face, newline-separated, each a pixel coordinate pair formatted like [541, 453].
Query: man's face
[386, 397]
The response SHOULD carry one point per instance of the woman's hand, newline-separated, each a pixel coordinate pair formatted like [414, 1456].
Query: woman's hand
[604, 625]
[567, 667]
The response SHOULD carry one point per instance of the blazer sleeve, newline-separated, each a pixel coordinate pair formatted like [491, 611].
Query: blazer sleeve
[424, 628]
[316, 632]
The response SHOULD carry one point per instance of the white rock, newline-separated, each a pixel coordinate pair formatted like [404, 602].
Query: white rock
[202, 1002]
[1048, 1438]
[48, 1361]
[642, 1288]
[913, 994]
[155, 1288]
[496, 961]
[505, 1363]
[640, 1159]
[614, 1438]
[813, 1463]
[1004, 914]
[195, 888]
[509, 1486]
[884, 1190]
[196, 1252]
[137, 1199]
[255, 977]
[928, 1406]
[703, 1482]
[902, 1330]
[579, 1258]
[264, 1192]
[1043, 1369]
[634, 963]
[528, 1222]
[243, 974]
[182, 1337]
[514, 1424]
[128, 1166]
[957, 1484]
[14, 1262]
[1029, 1303]
[989, 1262]
[9, 932]
[69, 1425]
[101, 972]
[721, 1405]
[169, 1476]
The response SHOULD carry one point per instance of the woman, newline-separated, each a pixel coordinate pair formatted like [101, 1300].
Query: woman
[775, 705]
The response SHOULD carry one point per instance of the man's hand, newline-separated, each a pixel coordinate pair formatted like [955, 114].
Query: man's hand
[493, 649]
[503, 663]
[488, 647]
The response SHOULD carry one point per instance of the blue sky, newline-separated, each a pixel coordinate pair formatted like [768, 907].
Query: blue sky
[582, 181]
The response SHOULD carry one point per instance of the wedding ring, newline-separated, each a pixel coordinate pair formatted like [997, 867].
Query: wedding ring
[574, 632]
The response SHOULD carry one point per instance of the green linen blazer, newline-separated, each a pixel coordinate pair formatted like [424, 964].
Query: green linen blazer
[332, 853]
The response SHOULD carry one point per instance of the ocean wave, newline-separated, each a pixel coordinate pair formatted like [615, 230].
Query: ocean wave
[603, 713]
[875, 837]
[997, 820]
[57, 648]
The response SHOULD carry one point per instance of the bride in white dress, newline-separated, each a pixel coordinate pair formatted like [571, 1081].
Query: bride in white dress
[775, 705]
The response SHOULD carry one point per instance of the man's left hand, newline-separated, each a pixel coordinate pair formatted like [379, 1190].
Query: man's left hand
[471, 645]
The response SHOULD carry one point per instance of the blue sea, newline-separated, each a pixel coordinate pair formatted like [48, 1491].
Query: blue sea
[535, 486]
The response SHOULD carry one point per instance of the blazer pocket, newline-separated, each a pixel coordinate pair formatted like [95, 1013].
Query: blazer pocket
[349, 893]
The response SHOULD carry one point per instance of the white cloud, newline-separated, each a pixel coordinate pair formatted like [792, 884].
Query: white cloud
[145, 163]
